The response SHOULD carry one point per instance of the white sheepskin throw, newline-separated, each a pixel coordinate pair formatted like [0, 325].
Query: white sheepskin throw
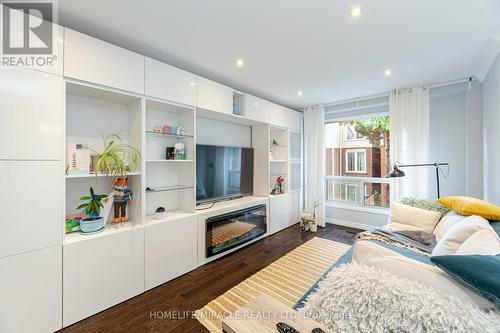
[359, 298]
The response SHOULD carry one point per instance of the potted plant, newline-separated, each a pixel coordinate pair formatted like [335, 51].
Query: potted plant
[308, 220]
[113, 160]
[94, 223]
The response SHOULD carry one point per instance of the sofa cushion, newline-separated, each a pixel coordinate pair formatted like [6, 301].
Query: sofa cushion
[449, 220]
[477, 272]
[404, 217]
[371, 254]
[425, 204]
[458, 233]
[483, 242]
[471, 206]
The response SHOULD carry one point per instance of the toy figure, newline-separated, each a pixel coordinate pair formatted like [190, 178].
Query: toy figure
[278, 187]
[123, 196]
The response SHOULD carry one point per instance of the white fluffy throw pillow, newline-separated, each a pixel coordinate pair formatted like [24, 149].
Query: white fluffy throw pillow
[404, 217]
[484, 242]
[359, 298]
[458, 233]
[447, 221]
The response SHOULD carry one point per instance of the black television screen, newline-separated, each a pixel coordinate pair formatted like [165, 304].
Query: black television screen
[223, 172]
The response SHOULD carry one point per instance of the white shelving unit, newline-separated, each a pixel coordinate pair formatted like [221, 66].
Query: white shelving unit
[171, 183]
[278, 156]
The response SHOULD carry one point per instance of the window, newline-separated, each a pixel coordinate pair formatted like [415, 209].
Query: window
[356, 161]
[356, 165]
[352, 134]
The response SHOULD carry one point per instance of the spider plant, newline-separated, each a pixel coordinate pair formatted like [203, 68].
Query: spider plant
[112, 161]
[93, 206]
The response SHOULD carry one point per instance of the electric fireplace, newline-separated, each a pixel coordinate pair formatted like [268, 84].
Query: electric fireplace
[227, 231]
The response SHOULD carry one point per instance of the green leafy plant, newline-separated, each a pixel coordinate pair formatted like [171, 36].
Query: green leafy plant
[113, 160]
[274, 142]
[94, 204]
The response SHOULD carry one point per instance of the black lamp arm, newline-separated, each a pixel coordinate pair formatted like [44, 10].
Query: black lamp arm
[424, 164]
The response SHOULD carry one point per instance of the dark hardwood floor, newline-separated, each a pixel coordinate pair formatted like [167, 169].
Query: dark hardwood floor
[148, 312]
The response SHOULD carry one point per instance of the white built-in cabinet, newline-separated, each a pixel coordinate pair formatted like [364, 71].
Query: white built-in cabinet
[213, 96]
[31, 291]
[170, 249]
[102, 271]
[92, 60]
[257, 109]
[170, 83]
[49, 279]
[31, 198]
[31, 116]
[284, 117]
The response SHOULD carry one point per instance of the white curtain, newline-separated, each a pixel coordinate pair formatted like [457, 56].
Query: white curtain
[314, 139]
[410, 141]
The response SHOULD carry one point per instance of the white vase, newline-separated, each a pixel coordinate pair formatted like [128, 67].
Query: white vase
[313, 227]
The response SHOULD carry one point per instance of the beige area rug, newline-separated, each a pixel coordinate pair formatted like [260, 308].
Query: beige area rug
[302, 267]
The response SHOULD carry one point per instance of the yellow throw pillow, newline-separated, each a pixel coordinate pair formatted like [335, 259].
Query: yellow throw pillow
[471, 206]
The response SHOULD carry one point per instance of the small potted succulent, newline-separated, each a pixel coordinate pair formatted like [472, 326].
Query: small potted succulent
[94, 223]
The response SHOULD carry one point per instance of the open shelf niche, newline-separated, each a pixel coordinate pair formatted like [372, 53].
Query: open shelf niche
[278, 156]
[92, 112]
[169, 183]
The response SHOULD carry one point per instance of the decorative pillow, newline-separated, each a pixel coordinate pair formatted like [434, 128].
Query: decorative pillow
[358, 298]
[483, 242]
[379, 257]
[471, 206]
[446, 222]
[457, 234]
[404, 217]
[425, 204]
[477, 272]
[496, 226]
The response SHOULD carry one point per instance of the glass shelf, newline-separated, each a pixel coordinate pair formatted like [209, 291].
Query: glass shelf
[168, 188]
[178, 136]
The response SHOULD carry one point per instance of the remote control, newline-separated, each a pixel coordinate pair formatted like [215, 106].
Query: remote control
[285, 328]
[317, 330]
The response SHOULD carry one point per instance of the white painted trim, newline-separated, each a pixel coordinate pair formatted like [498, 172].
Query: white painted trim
[373, 210]
[347, 223]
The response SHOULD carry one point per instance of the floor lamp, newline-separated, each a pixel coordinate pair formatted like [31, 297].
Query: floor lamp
[396, 172]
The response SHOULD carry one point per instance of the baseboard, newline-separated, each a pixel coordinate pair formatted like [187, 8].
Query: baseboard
[347, 223]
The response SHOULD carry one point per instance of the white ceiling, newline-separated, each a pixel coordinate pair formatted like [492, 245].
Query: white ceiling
[308, 45]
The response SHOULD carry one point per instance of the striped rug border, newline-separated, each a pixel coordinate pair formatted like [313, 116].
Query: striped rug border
[304, 266]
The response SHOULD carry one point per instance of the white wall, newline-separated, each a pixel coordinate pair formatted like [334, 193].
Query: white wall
[456, 138]
[491, 137]
[219, 133]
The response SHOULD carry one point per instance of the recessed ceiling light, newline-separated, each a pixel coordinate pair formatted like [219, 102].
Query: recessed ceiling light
[239, 63]
[192, 83]
[387, 72]
[299, 92]
[356, 11]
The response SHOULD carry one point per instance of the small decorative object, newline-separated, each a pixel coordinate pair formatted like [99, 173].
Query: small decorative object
[170, 153]
[112, 161]
[166, 130]
[122, 196]
[180, 151]
[94, 223]
[72, 223]
[157, 129]
[160, 213]
[180, 130]
[78, 159]
[274, 143]
[278, 187]
[236, 109]
[174, 130]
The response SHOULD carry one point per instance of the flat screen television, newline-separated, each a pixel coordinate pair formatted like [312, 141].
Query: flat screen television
[223, 172]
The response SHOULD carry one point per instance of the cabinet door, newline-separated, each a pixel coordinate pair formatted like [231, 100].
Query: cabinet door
[92, 60]
[31, 115]
[171, 250]
[280, 213]
[101, 272]
[31, 289]
[284, 117]
[296, 207]
[170, 83]
[31, 198]
[257, 109]
[213, 96]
